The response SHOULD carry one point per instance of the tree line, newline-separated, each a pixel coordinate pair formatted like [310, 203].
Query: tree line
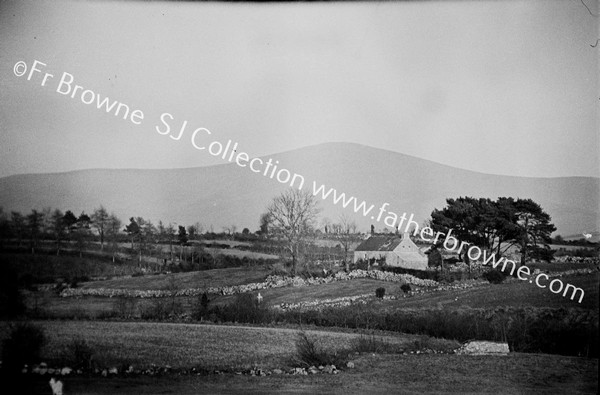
[497, 225]
[61, 228]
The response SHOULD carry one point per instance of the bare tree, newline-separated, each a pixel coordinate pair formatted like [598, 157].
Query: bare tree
[100, 222]
[58, 228]
[347, 234]
[292, 216]
[230, 230]
[113, 227]
[326, 223]
[199, 228]
[34, 223]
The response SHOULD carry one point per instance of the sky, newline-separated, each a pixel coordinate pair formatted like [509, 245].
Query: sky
[500, 87]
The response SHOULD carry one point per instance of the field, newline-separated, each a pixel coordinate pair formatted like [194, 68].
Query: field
[183, 342]
[189, 345]
[198, 279]
[512, 293]
[186, 345]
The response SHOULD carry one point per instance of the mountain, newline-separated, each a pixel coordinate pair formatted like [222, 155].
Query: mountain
[228, 194]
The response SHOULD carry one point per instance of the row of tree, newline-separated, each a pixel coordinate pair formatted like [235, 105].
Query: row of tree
[57, 226]
[292, 219]
[498, 225]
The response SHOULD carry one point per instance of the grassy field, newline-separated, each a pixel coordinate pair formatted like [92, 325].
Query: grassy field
[46, 268]
[516, 294]
[200, 279]
[180, 344]
[483, 296]
[188, 345]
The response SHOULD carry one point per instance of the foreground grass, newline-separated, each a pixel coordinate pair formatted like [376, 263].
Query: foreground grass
[405, 374]
[207, 346]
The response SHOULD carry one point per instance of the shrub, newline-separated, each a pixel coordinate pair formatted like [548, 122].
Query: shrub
[494, 276]
[279, 269]
[125, 307]
[201, 309]
[23, 346]
[245, 308]
[204, 301]
[161, 309]
[309, 353]
[79, 354]
[405, 288]
[371, 344]
[380, 292]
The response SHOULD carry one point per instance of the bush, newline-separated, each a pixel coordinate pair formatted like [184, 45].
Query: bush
[79, 354]
[245, 308]
[23, 346]
[201, 309]
[161, 309]
[125, 307]
[405, 288]
[279, 269]
[494, 276]
[371, 344]
[380, 292]
[309, 353]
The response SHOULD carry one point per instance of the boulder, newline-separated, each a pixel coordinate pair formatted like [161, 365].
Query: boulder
[66, 371]
[483, 348]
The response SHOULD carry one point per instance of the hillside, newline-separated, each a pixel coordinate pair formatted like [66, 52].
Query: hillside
[227, 194]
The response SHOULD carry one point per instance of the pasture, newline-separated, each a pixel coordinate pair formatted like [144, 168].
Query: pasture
[186, 345]
[176, 281]
[210, 347]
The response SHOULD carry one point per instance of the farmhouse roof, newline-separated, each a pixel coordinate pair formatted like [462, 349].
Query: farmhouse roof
[379, 243]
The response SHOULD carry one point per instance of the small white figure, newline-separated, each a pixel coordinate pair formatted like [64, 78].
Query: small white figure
[259, 298]
[57, 386]
[587, 235]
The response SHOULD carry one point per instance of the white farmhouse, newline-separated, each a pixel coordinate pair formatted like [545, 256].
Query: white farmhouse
[397, 251]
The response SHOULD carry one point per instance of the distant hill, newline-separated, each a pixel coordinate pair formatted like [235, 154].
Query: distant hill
[227, 194]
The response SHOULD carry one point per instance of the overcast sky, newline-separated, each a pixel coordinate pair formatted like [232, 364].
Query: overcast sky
[502, 87]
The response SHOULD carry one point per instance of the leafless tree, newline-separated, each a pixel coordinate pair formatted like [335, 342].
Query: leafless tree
[347, 233]
[100, 222]
[292, 216]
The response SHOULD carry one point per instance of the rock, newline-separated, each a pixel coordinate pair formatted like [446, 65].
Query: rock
[113, 370]
[129, 369]
[51, 371]
[350, 365]
[66, 371]
[277, 371]
[299, 371]
[484, 348]
[104, 373]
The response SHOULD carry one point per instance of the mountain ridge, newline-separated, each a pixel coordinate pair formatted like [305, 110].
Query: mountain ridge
[226, 194]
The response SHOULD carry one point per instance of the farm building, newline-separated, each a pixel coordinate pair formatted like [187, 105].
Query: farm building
[397, 251]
